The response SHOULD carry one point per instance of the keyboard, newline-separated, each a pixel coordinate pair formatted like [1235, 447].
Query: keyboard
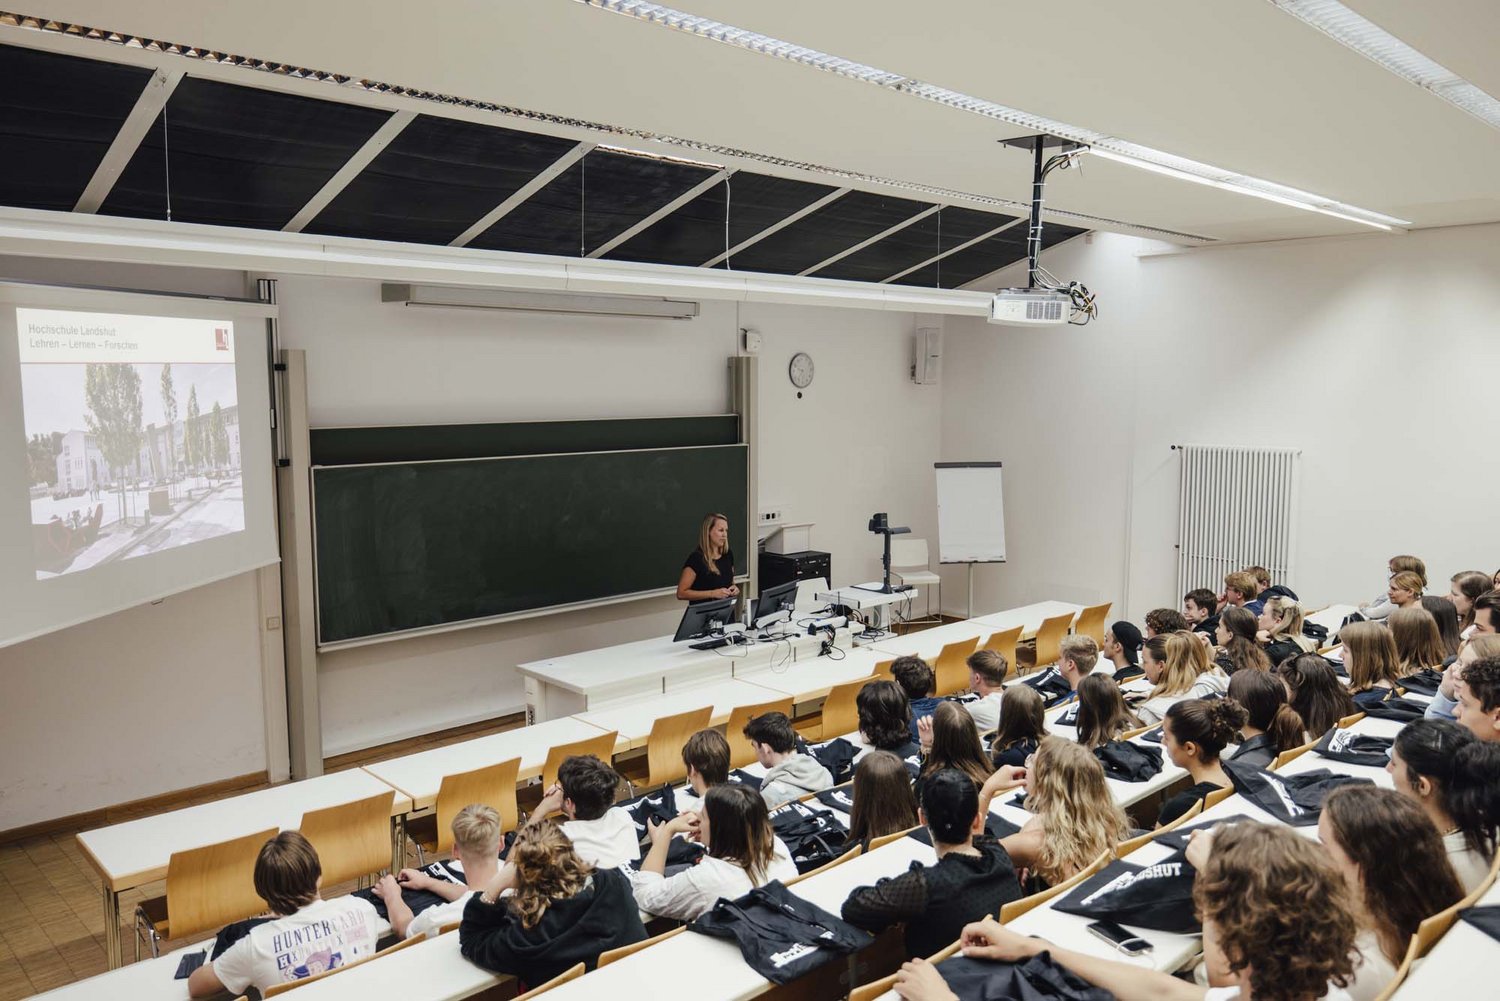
[711, 644]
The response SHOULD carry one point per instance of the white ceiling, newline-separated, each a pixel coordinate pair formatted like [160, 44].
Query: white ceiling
[1234, 83]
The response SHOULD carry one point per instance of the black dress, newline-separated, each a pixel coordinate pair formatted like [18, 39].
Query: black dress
[709, 578]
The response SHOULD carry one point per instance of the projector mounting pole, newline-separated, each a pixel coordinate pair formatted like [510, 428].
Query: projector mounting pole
[1041, 166]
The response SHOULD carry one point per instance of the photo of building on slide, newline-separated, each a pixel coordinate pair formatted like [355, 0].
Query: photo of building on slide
[127, 458]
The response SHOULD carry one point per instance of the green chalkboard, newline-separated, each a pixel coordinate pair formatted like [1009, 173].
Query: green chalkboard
[409, 545]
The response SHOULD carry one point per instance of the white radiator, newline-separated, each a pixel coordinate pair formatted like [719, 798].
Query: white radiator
[1238, 508]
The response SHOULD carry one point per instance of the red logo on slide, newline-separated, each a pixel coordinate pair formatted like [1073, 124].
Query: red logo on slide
[221, 338]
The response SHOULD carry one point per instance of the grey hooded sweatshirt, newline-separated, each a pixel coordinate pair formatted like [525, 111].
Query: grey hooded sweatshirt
[796, 776]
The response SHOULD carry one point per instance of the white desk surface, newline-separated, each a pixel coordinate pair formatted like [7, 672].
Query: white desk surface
[1029, 617]
[1312, 760]
[929, 642]
[711, 969]
[432, 970]
[830, 889]
[634, 720]
[1378, 727]
[1463, 959]
[148, 980]
[811, 678]
[419, 775]
[1128, 793]
[1332, 617]
[856, 597]
[137, 851]
[659, 657]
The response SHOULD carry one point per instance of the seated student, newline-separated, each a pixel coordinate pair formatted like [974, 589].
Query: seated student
[1267, 589]
[1022, 727]
[1102, 713]
[1444, 704]
[884, 719]
[706, 756]
[742, 852]
[1446, 615]
[1122, 648]
[1479, 699]
[1317, 694]
[1419, 645]
[973, 875]
[560, 911]
[1240, 590]
[1464, 587]
[1271, 725]
[1450, 775]
[1200, 607]
[309, 935]
[949, 739]
[916, 679]
[1487, 613]
[476, 842]
[987, 671]
[1257, 884]
[883, 799]
[1178, 668]
[1076, 657]
[789, 773]
[1279, 628]
[1385, 605]
[603, 834]
[1074, 817]
[1160, 621]
[1371, 660]
[1394, 864]
[1237, 648]
[1193, 734]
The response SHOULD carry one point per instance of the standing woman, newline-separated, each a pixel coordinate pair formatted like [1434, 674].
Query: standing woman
[708, 572]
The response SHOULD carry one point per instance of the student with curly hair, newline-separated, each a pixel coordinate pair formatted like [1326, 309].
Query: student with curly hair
[1444, 704]
[1074, 817]
[1193, 735]
[1160, 621]
[1479, 699]
[561, 911]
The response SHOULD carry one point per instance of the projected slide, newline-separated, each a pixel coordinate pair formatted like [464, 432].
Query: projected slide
[132, 435]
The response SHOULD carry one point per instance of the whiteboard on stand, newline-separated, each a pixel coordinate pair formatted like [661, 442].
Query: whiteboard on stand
[971, 512]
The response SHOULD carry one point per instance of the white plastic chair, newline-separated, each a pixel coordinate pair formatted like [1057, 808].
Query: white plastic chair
[909, 561]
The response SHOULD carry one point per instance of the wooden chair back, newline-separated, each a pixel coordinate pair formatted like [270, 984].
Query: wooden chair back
[211, 886]
[1128, 734]
[1009, 912]
[1292, 755]
[446, 927]
[882, 670]
[353, 839]
[1350, 720]
[840, 710]
[492, 785]
[1049, 639]
[1131, 844]
[664, 746]
[290, 985]
[601, 747]
[1004, 643]
[557, 981]
[886, 839]
[740, 751]
[952, 673]
[605, 958]
[1091, 622]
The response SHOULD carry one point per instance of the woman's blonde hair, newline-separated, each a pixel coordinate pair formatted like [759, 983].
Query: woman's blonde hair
[1418, 642]
[1409, 580]
[547, 869]
[1289, 620]
[1485, 645]
[1080, 819]
[706, 542]
[1187, 658]
[1370, 655]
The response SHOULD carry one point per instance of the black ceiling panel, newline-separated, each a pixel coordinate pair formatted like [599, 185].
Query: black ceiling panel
[239, 156]
[600, 197]
[922, 240]
[998, 251]
[695, 233]
[436, 179]
[57, 119]
[819, 235]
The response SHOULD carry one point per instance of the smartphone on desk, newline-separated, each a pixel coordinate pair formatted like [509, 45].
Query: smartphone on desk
[1120, 937]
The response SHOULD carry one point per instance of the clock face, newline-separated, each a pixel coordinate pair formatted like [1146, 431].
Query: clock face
[800, 371]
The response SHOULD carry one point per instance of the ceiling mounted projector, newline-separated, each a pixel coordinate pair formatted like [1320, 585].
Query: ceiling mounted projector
[1030, 307]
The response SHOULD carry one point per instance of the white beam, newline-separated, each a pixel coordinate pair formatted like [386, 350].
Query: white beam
[953, 250]
[874, 239]
[525, 192]
[350, 170]
[832, 196]
[153, 98]
[661, 213]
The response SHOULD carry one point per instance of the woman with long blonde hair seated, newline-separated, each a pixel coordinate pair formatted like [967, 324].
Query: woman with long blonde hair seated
[1074, 817]
[1178, 668]
[1280, 630]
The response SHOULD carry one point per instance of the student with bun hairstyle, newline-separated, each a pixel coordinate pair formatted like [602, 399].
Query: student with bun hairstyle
[1446, 615]
[973, 875]
[1074, 817]
[1022, 727]
[1394, 864]
[1316, 693]
[561, 911]
[1372, 662]
[1465, 586]
[1193, 734]
[1419, 645]
[1451, 776]
[1271, 724]
[1238, 649]
[1102, 713]
[883, 799]
[1178, 668]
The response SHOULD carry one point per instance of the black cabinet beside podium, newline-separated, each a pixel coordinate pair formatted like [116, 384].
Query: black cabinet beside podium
[778, 568]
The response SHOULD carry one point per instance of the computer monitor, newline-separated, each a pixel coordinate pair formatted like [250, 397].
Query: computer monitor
[773, 601]
[703, 618]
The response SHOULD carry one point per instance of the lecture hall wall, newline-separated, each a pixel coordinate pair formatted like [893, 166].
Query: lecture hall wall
[170, 696]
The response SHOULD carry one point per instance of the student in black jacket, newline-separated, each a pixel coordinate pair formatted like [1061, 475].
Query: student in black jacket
[972, 877]
[1271, 725]
[562, 911]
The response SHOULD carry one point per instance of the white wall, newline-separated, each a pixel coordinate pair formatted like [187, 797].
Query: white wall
[1376, 356]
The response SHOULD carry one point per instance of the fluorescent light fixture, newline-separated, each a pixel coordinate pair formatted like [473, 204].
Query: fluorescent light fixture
[456, 297]
[1128, 152]
[1379, 46]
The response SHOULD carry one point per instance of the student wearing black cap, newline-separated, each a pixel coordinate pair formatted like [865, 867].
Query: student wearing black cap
[1122, 646]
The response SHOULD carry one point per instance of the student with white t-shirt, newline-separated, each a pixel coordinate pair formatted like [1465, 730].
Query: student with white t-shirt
[1257, 884]
[603, 834]
[309, 935]
[476, 842]
[987, 671]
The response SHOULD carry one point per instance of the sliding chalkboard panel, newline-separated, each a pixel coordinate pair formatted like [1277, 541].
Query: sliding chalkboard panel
[412, 545]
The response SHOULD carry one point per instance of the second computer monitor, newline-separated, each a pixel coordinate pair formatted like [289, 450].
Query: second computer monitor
[773, 601]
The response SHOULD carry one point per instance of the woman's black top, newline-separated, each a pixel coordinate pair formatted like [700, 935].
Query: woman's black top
[706, 577]
[1183, 801]
[1257, 752]
[1016, 754]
